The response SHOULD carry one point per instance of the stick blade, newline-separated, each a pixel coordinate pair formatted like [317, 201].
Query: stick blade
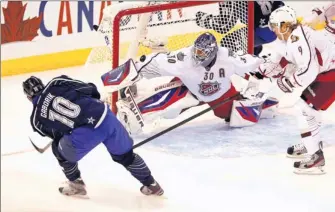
[40, 150]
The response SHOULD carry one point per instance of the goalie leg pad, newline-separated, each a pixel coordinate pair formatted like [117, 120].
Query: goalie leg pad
[245, 112]
[131, 120]
[169, 103]
[162, 100]
[269, 108]
[183, 104]
[166, 103]
[224, 111]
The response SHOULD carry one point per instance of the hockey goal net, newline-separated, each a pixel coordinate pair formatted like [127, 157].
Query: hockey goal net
[132, 29]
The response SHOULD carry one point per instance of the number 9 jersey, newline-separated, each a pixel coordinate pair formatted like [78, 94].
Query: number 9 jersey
[66, 104]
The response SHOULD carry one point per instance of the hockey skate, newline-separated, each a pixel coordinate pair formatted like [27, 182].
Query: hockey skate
[296, 151]
[312, 165]
[74, 188]
[153, 189]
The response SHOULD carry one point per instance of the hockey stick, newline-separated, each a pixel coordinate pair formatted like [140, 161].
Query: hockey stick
[40, 150]
[185, 121]
[17, 152]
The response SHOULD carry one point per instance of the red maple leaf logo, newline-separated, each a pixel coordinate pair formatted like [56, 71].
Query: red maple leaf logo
[15, 28]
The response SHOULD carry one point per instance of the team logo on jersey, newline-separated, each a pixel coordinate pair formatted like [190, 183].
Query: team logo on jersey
[294, 38]
[180, 56]
[209, 88]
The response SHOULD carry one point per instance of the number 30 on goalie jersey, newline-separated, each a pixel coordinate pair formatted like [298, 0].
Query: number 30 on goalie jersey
[207, 84]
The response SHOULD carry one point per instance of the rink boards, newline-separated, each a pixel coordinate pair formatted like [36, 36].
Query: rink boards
[65, 49]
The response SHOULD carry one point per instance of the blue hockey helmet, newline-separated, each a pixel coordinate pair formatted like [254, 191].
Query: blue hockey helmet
[32, 86]
[205, 49]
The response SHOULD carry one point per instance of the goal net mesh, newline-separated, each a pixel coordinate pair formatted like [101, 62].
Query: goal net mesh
[169, 29]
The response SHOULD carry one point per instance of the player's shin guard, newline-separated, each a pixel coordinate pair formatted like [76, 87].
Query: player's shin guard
[136, 166]
[70, 169]
[309, 124]
[139, 169]
[75, 186]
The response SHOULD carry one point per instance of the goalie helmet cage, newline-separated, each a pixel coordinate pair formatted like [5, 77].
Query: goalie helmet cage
[241, 10]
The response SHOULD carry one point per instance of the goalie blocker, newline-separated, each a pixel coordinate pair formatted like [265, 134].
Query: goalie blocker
[169, 100]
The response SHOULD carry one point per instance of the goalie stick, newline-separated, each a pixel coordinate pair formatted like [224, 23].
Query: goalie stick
[185, 121]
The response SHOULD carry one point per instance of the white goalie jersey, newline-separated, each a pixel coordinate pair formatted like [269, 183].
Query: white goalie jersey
[208, 84]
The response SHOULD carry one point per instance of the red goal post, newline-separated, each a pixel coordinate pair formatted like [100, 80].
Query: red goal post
[151, 9]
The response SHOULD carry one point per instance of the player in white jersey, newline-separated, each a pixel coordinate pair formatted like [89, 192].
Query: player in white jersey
[313, 55]
[319, 16]
[204, 70]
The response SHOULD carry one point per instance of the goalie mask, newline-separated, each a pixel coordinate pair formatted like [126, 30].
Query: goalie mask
[205, 49]
[32, 87]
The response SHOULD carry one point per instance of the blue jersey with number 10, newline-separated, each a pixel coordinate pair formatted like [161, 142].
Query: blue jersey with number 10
[66, 104]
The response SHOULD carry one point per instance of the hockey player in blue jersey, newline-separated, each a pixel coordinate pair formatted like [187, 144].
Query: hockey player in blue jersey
[70, 113]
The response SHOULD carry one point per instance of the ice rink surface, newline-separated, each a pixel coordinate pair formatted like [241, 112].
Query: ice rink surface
[203, 165]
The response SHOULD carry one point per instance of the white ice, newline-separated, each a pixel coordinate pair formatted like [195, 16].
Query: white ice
[203, 165]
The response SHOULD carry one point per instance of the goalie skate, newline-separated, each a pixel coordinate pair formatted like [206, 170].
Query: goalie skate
[296, 151]
[312, 165]
[76, 188]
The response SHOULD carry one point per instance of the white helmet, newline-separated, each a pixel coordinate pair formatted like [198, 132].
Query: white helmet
[284, 14]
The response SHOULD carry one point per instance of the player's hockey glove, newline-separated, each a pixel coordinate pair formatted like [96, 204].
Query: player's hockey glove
[257, 75]
[273, 66]
[95, 93]
[285, 85]
[251, 91]
[289, 83]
